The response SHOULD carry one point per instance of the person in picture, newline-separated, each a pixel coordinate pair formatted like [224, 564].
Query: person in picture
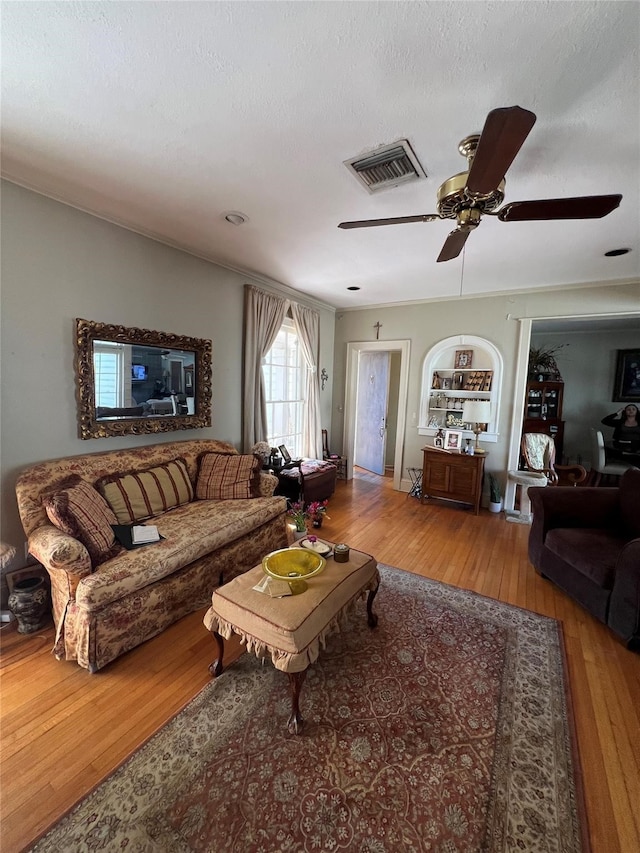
[626, 425]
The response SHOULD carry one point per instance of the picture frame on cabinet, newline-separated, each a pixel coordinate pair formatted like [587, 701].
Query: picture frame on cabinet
[438, 441]
[452, 439]
[463, 359]
[626, 387]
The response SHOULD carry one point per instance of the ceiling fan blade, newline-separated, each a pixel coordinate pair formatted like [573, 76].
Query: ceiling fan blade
[583, 207]
[453, 245]
[503, 135]
[394, 220]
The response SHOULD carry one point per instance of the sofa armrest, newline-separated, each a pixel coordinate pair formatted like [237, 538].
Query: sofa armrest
[268, 484]
[624, 604]
[563, 506]
[65, 558]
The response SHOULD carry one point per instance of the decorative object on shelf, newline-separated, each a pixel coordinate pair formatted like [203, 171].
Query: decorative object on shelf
[436, 384]
[495, 494]
[478, 380]
[469, 448]
[458, 381]
[452, 439]
[454, 420]
[477, 412]
[463, 359]
[446, 384]
[28, 603]
[542, 363]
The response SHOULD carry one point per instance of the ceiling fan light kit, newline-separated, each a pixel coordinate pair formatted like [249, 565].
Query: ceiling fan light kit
[467, 196]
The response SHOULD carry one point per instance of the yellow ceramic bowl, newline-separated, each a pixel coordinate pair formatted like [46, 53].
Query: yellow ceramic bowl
[293, 563]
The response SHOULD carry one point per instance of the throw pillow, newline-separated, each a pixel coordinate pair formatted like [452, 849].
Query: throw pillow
[80, 511]
[223, 477]
[143, 494]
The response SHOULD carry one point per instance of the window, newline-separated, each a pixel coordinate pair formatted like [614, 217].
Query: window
[108, 370]
[283, 371]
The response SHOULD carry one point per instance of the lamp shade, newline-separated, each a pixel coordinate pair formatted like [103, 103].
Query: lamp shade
[476, 411]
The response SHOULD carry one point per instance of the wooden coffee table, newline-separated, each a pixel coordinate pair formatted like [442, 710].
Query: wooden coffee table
[291, 630]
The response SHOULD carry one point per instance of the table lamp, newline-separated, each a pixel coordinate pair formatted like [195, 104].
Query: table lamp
[477, 412]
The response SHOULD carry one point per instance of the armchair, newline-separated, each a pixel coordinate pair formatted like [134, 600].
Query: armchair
[587, 541]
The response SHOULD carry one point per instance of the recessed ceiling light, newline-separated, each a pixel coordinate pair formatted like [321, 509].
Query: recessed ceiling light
[615, 252]
[235, 217]
[353, 288]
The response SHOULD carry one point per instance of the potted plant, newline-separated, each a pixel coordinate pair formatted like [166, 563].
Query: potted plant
[542, 362]
[495, 494]
[299, 515]
[317, 512]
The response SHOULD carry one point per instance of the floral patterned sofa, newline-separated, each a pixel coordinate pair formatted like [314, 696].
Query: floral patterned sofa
[215, 522]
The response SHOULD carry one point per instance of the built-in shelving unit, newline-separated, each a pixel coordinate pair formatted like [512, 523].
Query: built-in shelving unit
[445, 387]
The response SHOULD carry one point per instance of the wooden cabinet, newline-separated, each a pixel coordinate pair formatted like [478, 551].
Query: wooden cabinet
[543, 411]
[454, 476]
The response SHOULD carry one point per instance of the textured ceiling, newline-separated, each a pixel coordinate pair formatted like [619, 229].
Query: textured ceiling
[161, 116]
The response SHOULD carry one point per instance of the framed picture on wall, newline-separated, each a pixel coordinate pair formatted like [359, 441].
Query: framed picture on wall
[463, 359]
[452, 439]
[626, 388]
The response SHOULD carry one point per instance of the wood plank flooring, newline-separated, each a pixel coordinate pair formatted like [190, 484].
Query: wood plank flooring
[63, 730]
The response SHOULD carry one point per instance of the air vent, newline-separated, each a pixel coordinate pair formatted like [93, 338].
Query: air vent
[386, 167]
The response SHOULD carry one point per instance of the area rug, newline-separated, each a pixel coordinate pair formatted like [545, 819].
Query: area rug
[446, 729]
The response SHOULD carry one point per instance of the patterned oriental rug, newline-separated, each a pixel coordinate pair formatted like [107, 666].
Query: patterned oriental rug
[447, 729]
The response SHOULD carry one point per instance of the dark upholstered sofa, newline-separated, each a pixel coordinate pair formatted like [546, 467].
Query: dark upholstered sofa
[587, 541]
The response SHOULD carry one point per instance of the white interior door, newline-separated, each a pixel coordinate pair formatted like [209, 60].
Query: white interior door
[371, 411]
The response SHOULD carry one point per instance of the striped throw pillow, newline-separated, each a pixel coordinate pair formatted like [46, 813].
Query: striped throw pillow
[223, 477]
[144, 494]
[80, 511]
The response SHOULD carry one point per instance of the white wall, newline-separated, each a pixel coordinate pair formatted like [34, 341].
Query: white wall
[587, 365]
[58, 264]
[495, 318]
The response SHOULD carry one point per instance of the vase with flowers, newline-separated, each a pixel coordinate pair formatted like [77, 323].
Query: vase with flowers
[299, 515]
[317, 512]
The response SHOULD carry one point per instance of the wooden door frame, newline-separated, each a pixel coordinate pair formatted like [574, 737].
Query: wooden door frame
[353, 353]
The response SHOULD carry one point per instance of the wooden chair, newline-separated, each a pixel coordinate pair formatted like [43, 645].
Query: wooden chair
[339, 461]
[539, 455]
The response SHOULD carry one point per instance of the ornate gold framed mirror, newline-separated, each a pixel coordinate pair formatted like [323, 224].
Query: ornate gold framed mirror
[133, 381]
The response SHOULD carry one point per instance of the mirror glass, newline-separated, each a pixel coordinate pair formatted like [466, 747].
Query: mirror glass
[134, 381]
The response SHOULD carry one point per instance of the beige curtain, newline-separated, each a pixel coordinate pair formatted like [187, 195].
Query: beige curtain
[307, 323]
[264, 314]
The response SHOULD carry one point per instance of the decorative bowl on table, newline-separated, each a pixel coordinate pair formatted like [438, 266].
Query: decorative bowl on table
[294, 565]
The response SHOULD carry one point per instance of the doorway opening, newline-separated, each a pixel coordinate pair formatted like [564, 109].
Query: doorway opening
[367, 436]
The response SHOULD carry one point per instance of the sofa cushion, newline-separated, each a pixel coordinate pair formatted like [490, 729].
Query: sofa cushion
[190, 532]
[223, 477]
[593, 552]
[630, 501]
[80, 511]
[145, 494]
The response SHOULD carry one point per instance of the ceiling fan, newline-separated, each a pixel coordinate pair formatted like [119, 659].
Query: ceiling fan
[479, 191]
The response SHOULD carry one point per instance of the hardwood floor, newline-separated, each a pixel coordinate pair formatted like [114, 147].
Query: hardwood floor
[63, 730]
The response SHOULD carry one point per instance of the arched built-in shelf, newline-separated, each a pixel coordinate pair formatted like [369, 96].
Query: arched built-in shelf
[481, 380]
